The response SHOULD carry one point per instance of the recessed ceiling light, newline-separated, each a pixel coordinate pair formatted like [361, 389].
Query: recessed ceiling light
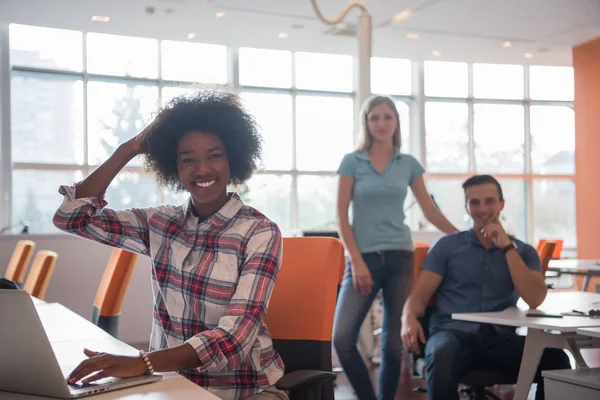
[528, 55]
[100, 18]
[507, 44]
[220, 14]
[436, 53]
[401, 16]
[413, 36]
[283, 35]
[191, 35]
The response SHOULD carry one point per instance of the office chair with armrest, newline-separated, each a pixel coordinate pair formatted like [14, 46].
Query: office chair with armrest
[476, 382]
[19, 261]
[300, 315]
[421, 250]
[40, 273]
[111, 291]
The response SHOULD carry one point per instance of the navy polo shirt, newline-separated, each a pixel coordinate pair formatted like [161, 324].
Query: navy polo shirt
[475, 279]
[378, 200]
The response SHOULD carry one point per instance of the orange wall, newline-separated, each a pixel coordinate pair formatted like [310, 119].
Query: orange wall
[586, 62]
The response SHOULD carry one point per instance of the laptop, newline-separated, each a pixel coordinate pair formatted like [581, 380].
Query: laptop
[28, 363]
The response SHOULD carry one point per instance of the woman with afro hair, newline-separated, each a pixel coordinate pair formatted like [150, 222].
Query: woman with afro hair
[214, 259]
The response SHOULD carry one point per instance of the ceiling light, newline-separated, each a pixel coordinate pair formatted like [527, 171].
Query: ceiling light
[191, 35]
[507, 44]
[220, 14]
[436, 53]
[413, 36]
[283, 35]
[528, 55]
[100, 18]
[401, 16]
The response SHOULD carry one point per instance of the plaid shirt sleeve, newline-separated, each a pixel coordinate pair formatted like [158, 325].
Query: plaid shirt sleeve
[87, 217]
[227, 346]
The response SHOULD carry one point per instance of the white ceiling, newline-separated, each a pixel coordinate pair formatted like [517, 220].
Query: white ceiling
[462, 30]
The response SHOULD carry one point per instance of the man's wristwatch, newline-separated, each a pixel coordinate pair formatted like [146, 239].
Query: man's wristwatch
[511, 246]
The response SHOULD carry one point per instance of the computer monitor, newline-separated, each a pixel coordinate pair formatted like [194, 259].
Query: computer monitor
[321, 233]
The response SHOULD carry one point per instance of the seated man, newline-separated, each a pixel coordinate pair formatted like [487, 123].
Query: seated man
[478, 270]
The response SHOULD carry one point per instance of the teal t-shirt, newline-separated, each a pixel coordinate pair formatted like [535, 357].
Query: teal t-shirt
[378, 200]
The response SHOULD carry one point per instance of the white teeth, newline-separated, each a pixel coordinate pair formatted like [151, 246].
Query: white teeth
[205, 184]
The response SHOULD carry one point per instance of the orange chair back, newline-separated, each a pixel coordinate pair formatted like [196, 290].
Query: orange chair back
[303, 301]
[302, 306]
[19, 261]
[557, 249]
[40, 273]
[545, 253]
[115, 281]
[540, 244]
[420, 253]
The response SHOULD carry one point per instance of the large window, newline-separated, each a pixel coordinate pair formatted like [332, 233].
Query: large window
[76, 96]
[273, 112]
[447, 137]
[499, 139]
[477, 123]
[67, 120]
[324, 128]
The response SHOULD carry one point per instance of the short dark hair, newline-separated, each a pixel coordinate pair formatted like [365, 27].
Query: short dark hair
[480, 180]
[210, 111]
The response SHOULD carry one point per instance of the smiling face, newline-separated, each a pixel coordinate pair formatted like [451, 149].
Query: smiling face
[203, 170]
[483, 204]
[382, 123]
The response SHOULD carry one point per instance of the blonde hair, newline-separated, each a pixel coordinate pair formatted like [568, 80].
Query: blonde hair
[367, 106]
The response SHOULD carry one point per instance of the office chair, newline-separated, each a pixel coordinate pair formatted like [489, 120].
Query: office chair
[111, 291]
[40, 273]
[19, 261]
[300, 315]
[476, 382]
[546, 251]
[557, 249]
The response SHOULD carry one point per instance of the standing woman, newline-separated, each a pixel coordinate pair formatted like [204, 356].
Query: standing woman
[376, 178]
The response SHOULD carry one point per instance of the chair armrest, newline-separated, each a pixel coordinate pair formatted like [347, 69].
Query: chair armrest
[304, 377]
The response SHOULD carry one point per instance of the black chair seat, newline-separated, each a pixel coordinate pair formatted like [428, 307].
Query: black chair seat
[487, 378]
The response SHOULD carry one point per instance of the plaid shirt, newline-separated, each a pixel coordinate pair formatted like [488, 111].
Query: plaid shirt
[212, 281]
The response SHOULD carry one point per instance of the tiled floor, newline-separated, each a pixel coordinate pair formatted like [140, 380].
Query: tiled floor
[343, 390]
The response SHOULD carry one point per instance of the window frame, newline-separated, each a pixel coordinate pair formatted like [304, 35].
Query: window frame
[416, 102]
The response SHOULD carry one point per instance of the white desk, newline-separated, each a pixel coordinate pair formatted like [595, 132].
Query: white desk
[580, 384]
[591, 332]
[69, 333]
[545, 332]
[587, 268]
[172, 387]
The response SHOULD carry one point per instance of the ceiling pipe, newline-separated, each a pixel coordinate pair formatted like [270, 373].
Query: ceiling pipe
[364, 35]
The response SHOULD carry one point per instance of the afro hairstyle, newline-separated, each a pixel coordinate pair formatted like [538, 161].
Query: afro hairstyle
[215, 112]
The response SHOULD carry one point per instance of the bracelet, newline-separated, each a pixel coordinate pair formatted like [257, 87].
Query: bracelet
[147, 362]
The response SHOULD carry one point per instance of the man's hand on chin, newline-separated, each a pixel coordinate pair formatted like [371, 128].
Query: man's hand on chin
[495, 232]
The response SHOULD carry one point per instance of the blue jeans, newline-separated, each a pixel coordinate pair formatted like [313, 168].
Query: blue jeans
[450, 354]
[392, 272]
